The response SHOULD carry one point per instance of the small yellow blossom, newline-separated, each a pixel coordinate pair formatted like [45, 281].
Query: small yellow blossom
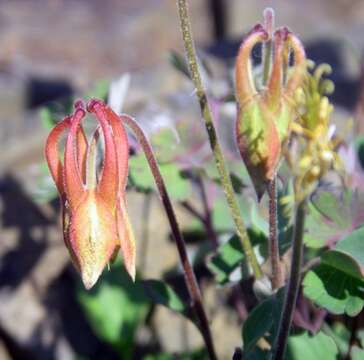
[317, 143]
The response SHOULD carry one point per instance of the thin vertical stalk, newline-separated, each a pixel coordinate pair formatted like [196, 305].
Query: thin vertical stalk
[190, 278]
[276, 267]
[268, 45]
[293, 284]
[212, 135]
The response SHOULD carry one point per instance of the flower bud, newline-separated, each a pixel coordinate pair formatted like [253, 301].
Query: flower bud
[263, 119]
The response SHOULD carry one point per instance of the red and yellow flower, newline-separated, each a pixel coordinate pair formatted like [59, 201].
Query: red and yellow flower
[95, 221]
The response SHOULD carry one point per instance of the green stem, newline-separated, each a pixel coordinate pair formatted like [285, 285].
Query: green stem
[190, 277]
[293, 284]
[211, 132]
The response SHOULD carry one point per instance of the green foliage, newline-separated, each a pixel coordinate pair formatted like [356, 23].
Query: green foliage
[230, 255]
[47, 118]
[319, 346]
[340, 334]
[262, 322]
[178, 187]
[226, 260]
[162, 294]
[99, 90]
[332, 216]
[115, 308]
[337, 284]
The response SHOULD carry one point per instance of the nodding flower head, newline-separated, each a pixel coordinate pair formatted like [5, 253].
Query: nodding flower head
[95, 221]
[264, 115]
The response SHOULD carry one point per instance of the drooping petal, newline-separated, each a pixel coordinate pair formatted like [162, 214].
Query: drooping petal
[51, 154]
[127, 240]
[72, 177]
[93, 236]
[108, 184]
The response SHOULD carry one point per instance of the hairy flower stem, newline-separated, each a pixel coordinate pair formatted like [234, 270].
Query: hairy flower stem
[277, 273]
[212, 135]
[190, 278]
[293, 284]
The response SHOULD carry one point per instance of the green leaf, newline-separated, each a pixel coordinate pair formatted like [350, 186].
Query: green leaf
[353, 245]
[226, 260]
[230, 255]
[115, 308]
[162, 294]
[332, 216]
[221, 217]
[319, 346]
[360, 336]
[357, 353]
[179, 63]
[359, 145]
[178, 187]
[340, 334]
[337, 284]
[262, 322]
[99, 90]
[47, 118]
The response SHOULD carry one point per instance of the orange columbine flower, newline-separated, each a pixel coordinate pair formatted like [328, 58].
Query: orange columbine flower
[95, 221]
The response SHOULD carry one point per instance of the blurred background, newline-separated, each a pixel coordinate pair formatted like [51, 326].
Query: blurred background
[55, 50]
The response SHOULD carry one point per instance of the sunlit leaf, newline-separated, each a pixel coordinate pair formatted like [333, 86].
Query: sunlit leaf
[332, 216]
[337, 284]
[319, 346]
[178, 187]
[340, 334]
[115, 308]
[162, 294]
[229, 256]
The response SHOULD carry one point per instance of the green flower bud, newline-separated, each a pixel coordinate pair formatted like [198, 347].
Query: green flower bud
[264, 117]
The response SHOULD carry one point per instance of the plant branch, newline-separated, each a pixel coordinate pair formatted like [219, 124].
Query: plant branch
[193, 211]
[293, 284]
[212, 135]
[190, 278]
[208, 218]
[277, 273]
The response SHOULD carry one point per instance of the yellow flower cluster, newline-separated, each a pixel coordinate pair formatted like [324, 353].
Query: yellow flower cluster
[315, 135]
